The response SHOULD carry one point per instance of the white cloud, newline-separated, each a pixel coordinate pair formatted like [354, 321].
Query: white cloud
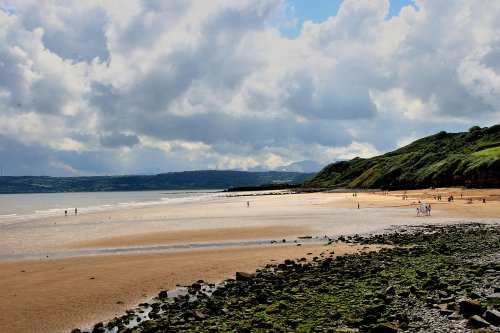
[481, 79]
[150, 86]
[355, 149]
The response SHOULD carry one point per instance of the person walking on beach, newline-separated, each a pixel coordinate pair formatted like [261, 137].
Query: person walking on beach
[66, 212]
[76, 211]
[418, 211]
[248, 204]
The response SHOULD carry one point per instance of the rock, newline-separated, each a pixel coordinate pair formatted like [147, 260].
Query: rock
[198, 314]
[76, 330]
[98, 328]
[390, 290]
[446, 312]
[262, 298]
[493, 296]
[470, 308]
[163, 294]
[124, 330]
[264, 324]
[448, 300]
[493, 317]
[484, 330]
[430, 300]
[354, 322]
[327, 262]
[151, 315]
[455, 316]
[477, 322]
[452, 306]
[384, 328]
[242, 276]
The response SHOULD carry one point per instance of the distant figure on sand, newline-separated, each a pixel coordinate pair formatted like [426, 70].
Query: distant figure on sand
[66, 212]
[76, 211]
[418, 211]
[248, 203]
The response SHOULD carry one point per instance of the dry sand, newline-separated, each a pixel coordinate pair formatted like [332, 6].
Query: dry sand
[57, 294]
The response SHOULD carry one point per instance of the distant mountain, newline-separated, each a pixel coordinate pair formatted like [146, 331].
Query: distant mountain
[445, 159]
[302, 166]
[207, 179]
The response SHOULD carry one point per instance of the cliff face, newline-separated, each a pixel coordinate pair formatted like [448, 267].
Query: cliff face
[483, 178]
[469, 159]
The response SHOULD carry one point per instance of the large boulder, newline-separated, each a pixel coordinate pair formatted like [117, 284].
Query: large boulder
[470, 307]
[242, 276]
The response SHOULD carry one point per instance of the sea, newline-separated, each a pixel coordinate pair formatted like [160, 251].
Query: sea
[15, 208]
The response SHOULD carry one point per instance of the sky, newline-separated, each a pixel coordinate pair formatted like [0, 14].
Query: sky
[96, 87]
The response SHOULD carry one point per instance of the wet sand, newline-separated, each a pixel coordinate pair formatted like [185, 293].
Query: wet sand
[57, 294]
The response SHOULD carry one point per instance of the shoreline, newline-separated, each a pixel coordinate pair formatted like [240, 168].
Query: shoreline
[58, 294]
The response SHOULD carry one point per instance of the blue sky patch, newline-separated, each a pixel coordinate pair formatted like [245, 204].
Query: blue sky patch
[8, 10]
[296, 12]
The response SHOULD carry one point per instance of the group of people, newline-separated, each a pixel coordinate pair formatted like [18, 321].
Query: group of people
[66, 212]
[424, 209]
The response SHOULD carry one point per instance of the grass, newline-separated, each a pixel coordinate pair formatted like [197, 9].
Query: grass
[489, 151]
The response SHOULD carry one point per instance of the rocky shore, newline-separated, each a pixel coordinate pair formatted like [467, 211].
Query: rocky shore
[432, 279]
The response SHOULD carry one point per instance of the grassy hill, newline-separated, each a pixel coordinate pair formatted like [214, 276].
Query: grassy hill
[206, 179]
[444, 159]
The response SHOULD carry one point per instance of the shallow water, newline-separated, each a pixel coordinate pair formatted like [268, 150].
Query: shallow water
[15, 208]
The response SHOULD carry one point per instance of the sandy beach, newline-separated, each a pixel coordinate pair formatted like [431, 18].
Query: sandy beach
[74, 271]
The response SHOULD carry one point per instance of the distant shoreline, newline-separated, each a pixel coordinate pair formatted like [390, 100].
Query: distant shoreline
[186, 180]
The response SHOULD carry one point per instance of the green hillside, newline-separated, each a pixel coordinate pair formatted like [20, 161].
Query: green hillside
[445, 159]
